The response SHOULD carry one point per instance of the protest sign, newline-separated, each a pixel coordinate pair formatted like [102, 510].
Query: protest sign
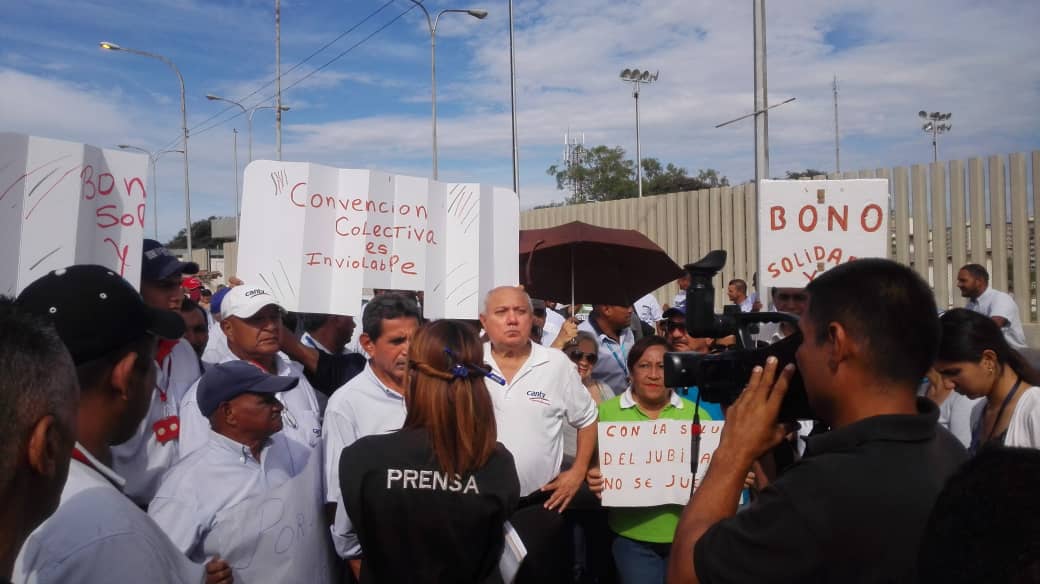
[315, 236]
[806, 227]
[279, 536]
[648, 463]
[64, 203]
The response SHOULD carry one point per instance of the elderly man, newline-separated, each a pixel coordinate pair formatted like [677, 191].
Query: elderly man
[245, 456]
[973, 281]
[154, 448]
[251, 319]
[98, 534]
[38, 399]
[612, 326]
[863, 490]
[541, 392]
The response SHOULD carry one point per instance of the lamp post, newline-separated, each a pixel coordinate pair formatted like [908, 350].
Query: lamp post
[432, 26]
[152, 158]
[934, 127]
[184, 126]
[637, 78]
[512, 105]
[249, 115]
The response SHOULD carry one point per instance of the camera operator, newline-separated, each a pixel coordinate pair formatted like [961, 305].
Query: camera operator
[854, 508]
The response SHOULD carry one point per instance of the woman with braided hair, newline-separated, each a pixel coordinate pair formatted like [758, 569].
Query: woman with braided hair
[428, 502]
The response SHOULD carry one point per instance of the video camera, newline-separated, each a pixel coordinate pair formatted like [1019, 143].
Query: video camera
[720, 377]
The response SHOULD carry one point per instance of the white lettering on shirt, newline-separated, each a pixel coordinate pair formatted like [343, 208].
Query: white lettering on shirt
[430, 480]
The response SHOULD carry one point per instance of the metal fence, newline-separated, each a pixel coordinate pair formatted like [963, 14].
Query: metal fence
[973, 211]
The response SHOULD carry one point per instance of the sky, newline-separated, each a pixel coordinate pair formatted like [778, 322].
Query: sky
[364, 100]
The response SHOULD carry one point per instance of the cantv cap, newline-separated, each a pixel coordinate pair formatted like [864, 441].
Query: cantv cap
[245, 301]
[95, 311]
[226, 381]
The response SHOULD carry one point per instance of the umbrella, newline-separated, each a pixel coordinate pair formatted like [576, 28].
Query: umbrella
[593, 265]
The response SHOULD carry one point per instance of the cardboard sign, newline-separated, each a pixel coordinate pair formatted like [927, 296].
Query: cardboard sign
[315, 236]
[648, 463]
[63, 203]
[807, 227]
[280, 536]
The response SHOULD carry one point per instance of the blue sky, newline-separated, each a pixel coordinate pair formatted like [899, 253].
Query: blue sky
[370, 108]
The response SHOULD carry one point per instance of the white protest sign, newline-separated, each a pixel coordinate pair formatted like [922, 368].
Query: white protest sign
[280, 536]
[315, 236]
[806, 227]
[648, 463]
[64, 203]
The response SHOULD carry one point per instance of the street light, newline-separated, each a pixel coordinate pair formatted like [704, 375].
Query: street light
[249, 115]
[933, 127]
[637, 78]
[184, 126]
[152, 158]
[432, 26]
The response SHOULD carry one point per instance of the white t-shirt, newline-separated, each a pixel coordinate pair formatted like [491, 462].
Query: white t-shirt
[215, 477]
[531, 410]
[1024, 428]
[144, 458]
[99, 535]
[996, 303]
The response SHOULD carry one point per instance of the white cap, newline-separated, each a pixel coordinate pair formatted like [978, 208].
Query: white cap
[246, 301]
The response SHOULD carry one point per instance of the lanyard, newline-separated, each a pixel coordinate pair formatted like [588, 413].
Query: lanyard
[977, 430]
[617, 359]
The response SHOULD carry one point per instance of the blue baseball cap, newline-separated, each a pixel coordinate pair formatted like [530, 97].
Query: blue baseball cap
[158, 263]
[674, 311]
[226, 381]
[214, 301]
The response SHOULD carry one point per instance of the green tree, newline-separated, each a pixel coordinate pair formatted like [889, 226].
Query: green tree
[807, 173]
[201, 237]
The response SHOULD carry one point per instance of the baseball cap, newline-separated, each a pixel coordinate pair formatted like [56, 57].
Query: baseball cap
[245, 301]
[191, 283]
[159, 263]
[216, 299]
[95, 311]
[674, 311]
[226, 381]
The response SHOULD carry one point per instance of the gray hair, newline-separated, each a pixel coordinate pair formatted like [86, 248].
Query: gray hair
[484, 301]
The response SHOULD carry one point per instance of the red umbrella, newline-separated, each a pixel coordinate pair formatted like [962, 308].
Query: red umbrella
[592, 265]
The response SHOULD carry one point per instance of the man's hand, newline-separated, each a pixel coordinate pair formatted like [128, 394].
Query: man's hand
[568, 331]
[751, 429]
[218, 572]
[563, 488]
[594, 477]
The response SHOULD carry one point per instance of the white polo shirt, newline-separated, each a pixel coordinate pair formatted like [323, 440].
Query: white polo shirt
[648, 310]
[215, 477]
[99, 535]
[363, 406]
[996, 303]
[531, 410]
[612, 366]
[301, 413]
[144, 458]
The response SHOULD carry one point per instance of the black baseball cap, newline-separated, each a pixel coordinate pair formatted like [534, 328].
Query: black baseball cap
[95, 311]
[674, 311]
[158, 263]
[226, 381]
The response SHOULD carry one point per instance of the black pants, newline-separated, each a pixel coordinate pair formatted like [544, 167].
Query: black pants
[547, 541]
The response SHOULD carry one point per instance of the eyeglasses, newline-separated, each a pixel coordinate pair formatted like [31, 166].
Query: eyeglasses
[671, 326]
[577, 356]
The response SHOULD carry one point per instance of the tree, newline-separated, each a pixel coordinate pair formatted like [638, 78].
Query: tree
[604, 174]
[201, 237]
[807, 173]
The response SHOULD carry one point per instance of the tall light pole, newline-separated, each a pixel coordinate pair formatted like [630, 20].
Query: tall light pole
[249, 115]
[278, 77]
[934, 127]
[512, 104]
[432, 26]
[153, 157]
[184, 126]
[238, 193]
[637, 77]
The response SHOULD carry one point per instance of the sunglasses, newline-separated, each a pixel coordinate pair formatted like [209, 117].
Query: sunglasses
[673, 326]
[577, 356]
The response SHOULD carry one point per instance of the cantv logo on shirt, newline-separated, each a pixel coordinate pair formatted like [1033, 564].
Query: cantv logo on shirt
[538, 397]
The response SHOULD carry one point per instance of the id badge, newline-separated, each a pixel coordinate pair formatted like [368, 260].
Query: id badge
[167, 429]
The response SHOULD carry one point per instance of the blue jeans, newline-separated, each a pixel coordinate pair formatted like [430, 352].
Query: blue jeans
[640, 562]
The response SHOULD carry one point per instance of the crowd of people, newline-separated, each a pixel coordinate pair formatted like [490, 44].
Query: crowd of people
[144, 430]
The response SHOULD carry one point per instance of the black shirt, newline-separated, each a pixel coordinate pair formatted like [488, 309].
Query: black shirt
[852, 510]
[414, 523]
[335, 370]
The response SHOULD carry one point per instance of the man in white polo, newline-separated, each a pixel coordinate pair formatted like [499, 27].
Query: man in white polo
[973, 281]
[541, 392]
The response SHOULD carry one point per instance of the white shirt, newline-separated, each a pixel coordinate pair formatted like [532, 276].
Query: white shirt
[648, 309]
[531, 409]
[301, 416]
[680, 300]
[553, 324]
[216, 347]
[747, 304]
[612, 366]
[215, 477]
[996, 303]
[143, 459]
[1024, 427]
[363, 406]
[955, 415]
[99, 535]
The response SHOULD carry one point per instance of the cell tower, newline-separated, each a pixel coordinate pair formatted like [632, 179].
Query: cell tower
[574, 154]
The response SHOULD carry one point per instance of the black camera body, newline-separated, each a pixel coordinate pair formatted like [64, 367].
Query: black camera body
[720, 377]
